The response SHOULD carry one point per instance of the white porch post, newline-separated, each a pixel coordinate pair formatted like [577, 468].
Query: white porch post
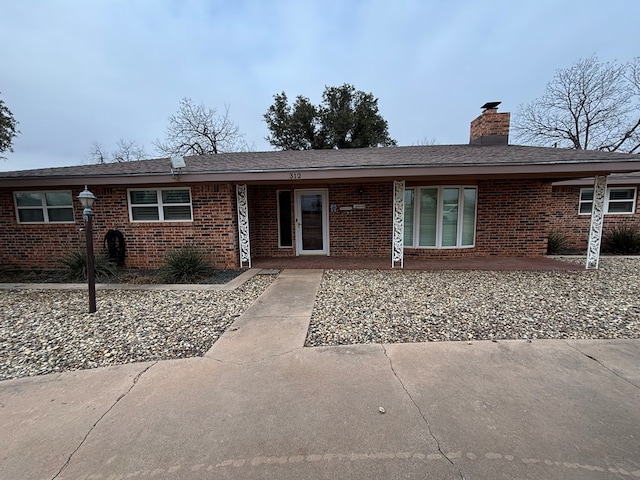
[597, 214]
[243, 225]
[397, 253]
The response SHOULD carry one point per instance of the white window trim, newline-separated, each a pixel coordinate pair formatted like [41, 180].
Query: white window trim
[607, 201]
[44, 207]
[416, 216]
[278, 217]
[159, 205]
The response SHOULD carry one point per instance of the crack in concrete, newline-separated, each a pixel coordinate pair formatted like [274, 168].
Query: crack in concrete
[135, 380]
[253, 362]
[424, 418]
[601, 364]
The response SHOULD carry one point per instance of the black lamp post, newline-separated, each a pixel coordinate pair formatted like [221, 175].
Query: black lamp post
[86, 200]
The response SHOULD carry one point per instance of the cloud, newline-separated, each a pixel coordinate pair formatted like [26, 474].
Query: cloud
[77, 72]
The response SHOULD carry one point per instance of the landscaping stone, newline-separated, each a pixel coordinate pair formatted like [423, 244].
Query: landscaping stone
[422, 306]
[51, 331]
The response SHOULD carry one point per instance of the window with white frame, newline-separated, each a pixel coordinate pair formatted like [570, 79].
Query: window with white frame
[44, 207]
[160, 205]
[618, 200]
[440, 217]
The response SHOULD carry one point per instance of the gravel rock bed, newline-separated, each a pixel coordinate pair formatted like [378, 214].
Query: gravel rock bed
[420, 306]
[51, 331]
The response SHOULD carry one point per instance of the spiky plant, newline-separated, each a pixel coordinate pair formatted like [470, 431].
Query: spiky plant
[185, 265]
[75, 266]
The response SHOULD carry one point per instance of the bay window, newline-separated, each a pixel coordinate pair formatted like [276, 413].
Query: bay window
[440, 217]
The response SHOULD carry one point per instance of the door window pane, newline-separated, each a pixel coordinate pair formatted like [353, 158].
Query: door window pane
[311, 210]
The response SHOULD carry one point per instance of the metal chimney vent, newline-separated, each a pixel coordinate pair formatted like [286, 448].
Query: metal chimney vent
[490, 105]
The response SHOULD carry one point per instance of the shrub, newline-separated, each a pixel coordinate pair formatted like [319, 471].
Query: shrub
[185, 265]
[556, 243]
[622, 240]
[75, 266]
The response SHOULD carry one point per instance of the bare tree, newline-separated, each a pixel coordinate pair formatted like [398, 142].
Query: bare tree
[590, 105]
[199, 130]
[126, 151]
[97, 154]
[425, 142]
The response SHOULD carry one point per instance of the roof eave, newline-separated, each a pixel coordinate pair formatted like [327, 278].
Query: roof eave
[558, 170]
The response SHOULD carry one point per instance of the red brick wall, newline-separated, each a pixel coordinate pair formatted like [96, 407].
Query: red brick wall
[564, 218]
[214, 229]
[365, 232]
[352, 233]
[511, 221]
[263, 221]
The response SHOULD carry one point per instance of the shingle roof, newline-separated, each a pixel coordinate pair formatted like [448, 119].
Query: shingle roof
[434, 155]
[434, 161]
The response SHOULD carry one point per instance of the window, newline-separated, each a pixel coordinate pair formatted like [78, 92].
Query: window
[44, 207]
[617, 201]
[285, 238]
[439, 217]
[160, 205]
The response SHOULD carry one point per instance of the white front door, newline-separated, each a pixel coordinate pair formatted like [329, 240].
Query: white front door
[312, 222]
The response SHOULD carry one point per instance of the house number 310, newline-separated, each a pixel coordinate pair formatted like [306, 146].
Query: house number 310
[295, 175]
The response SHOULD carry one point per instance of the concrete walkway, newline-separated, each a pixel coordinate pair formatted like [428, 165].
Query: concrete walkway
[260, 406]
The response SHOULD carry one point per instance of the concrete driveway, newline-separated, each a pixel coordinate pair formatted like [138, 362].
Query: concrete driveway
[259, 405]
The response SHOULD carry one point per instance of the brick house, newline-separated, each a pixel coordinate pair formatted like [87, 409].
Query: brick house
[572, 204]
[486, 198]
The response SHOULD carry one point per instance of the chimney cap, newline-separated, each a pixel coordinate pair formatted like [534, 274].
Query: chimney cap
[490, 105]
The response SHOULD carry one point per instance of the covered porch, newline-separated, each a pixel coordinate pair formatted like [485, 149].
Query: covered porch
[381, 263]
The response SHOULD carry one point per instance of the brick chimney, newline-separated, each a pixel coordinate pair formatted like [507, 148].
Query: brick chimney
[491, 127]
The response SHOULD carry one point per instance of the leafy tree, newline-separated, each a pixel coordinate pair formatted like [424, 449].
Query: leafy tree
[590, 105]
[199, 130]
[126, 151]
[7, 129]
[346, 118]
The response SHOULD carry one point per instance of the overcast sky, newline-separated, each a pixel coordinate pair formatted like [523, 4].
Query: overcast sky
[78, 72]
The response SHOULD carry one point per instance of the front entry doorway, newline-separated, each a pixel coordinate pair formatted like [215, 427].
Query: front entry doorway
[312, 222]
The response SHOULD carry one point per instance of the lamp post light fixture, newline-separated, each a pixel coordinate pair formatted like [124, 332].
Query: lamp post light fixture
[86, 200]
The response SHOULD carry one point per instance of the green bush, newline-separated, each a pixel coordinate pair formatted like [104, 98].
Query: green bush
[75, 266]
[556, 243]
[185, 265]
[622, 240]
